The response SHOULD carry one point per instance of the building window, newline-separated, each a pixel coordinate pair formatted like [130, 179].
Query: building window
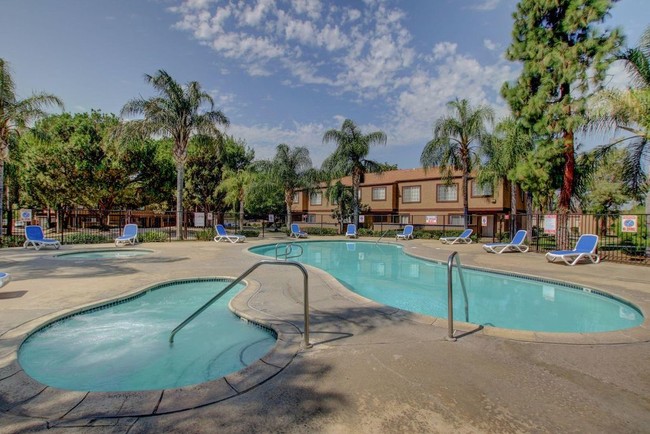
[479, 190]
[316, 198]
[309, 218]
[379, 193]
[296, 197]
[456, 220]
[447, 193]
[405, 219]
[411, 194]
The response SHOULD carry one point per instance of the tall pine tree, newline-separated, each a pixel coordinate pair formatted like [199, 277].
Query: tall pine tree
[565, 56]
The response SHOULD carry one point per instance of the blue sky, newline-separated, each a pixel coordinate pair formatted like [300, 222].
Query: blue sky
[282, 71]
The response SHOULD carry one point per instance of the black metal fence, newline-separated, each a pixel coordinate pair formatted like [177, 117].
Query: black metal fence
[622, 237]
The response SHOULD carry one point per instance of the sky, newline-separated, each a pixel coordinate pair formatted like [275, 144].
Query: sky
[282, 71]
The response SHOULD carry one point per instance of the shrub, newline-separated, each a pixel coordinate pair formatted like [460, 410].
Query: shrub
[86, 239]
[13, 241]
[153, 237]
[206, 234]
[250, 233]
[320, 231]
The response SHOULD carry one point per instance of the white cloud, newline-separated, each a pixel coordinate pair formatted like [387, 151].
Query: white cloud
[486, 5]
[444, 49]
[489, 44]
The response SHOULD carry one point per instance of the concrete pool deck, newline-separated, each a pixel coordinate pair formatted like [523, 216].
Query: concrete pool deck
[371, 369]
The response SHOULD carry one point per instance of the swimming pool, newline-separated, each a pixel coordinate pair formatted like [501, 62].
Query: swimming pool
[124, 346]
[384, 273]
[104, 254]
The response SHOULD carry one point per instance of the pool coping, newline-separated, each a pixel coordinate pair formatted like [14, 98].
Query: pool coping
[21, 395]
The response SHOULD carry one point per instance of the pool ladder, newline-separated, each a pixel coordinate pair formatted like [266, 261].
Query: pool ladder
[288, 249]
[239, 279]
[450, 298]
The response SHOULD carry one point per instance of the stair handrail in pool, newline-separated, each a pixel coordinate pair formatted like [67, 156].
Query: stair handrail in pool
[288, 248]
[450, 298]
[382, 235]
[239, 279]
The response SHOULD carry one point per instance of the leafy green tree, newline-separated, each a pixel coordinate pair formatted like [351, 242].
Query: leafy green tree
[176, 113]
[562, 53]
[265, 197]
[71, 160]
[456, 142]
[208, 158]
[607, 191]
[349, 157]
[504, 152]
[15, 116]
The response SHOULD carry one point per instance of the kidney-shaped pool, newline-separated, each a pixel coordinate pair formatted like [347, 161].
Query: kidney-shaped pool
[384, 273]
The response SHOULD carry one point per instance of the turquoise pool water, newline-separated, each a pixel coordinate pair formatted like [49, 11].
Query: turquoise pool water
[125, 346]
[105, 254]
[384, 273]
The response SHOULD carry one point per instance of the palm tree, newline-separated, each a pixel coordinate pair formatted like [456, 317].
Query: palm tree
[455, 143]
[237, 185]
[15, 115]
[176, 113]
[629, 111]
[341, 195]
[292, 170]
[504, 151]
[349, 158]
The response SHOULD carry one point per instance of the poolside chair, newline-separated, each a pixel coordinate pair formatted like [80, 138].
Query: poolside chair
[34, 236]
[129, 235]
[351, 231]
[462, 238]
[223, 235]
[585, 248]
[4, 278]
[296, 232]
[516, 245]
[406, 234]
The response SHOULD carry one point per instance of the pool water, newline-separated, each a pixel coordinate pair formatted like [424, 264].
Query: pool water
[105, 254]
[125, 346]
[384, 273]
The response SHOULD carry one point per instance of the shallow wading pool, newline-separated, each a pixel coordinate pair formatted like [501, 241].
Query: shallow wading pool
[104, 254]
[384, 273]
[124, 346]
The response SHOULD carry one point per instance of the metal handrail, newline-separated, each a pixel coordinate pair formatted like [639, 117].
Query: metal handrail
[239, 279]
[383, 235]
[450, 298]
[288, 248]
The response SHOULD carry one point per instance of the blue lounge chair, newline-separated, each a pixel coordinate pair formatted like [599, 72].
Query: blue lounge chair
[296, 232]
[129, 235]
[516, 245]
[351, 231]
[462, 238]
[34, 236]
[585, 248]
[223, 235]
[406, 234]
[4, 278]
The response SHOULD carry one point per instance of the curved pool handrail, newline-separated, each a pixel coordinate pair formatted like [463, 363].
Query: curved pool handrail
[239, 279]
[450, 298]
[288, 248]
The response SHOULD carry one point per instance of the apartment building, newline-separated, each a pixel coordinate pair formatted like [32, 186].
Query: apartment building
[414, 196]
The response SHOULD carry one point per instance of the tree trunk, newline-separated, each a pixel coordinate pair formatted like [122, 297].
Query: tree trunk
[529, 215]
[513, 208]
[179, 200]
[465, 199]
[356, 180]
[241, 215]
[288, 200]
[2, 190]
